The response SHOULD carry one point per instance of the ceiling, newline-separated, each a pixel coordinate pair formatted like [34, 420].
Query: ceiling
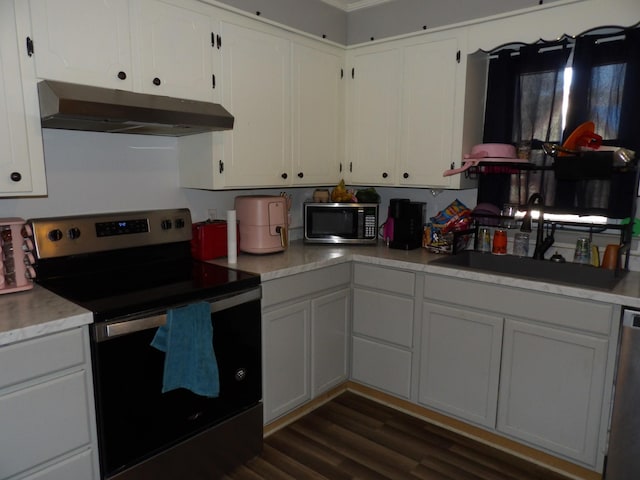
[351, 5]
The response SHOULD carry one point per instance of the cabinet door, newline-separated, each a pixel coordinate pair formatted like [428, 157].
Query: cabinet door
[286, 380]
[21, 156]
[381, 366]
[551, 388]
[383, 316]
[256, 90]
[460, 362]
[428, 97]
[83, 41]
[318, 114]
[175, 49]
[329, 340]
[374, 116]
[44, 421]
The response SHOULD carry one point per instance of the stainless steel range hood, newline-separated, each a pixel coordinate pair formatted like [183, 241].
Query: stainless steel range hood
[79, 107]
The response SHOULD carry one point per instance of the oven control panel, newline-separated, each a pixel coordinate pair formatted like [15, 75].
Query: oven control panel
[63, 236]
[122, 227]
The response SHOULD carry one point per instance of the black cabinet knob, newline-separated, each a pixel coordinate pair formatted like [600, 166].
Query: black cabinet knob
[385, 174]
[300, 175]
[74, 233]
[16, 176]
[284, 175]
[405, 175]
[156, 81]
[55, 235]
[122, 75]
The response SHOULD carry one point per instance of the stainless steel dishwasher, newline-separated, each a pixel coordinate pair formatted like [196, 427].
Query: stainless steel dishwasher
[623, 458]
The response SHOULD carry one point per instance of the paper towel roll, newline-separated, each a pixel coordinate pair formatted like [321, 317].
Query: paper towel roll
[232, 241]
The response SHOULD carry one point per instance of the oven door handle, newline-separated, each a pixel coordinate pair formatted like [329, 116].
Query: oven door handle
[116, 328]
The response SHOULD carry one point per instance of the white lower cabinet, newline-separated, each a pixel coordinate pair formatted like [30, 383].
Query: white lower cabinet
[383, 324]
[555, 357]
[329, 340]
[305, 337]
[286, 359]
[460, 362]
[551, 388]
[382, 366]
[47, 416]
[533, 367]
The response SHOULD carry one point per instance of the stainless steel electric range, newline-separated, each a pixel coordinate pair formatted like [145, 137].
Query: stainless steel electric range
[133, 270]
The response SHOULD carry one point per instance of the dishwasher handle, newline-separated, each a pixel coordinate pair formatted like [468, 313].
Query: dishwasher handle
[631, 318]
[115, 328]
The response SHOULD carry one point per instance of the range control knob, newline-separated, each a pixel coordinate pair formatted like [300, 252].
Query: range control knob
[74, 233]
[55, 235]
[179, 222]
[166, 224]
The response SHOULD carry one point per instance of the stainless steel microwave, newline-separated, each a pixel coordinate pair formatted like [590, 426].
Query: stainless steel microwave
[351, 223]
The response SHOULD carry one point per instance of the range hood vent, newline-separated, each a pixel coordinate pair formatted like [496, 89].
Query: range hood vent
[79, 107]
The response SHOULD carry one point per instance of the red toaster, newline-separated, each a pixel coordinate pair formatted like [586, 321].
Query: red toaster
[209, 239]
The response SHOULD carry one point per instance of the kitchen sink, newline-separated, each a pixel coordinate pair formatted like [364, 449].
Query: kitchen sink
[574, 274]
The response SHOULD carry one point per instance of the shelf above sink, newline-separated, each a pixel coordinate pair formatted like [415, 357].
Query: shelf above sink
[573, 274]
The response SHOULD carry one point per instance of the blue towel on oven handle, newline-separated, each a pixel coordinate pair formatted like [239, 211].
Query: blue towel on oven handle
[187, 340]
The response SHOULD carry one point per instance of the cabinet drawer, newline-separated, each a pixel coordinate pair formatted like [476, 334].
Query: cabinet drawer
[383, 278]
[304, 284]
[382, 366]
[382, 316]
[545, 307]
[77, 467]
[41, 356]
[42, 422]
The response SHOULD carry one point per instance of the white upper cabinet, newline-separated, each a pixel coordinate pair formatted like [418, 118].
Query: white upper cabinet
[286, 94]
[428, 99]
[152, 46]
[83, 41]
[410, 115]
[318, 113]
[374, 115]
[176, 46]
[21, 155]
[256, 89]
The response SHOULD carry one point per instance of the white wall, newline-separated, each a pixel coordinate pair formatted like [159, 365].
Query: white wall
[91, 172]
[377, 21]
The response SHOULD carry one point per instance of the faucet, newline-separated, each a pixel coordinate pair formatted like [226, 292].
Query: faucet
[542, 245]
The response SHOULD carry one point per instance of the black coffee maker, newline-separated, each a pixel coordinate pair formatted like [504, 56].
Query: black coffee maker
[405, 223]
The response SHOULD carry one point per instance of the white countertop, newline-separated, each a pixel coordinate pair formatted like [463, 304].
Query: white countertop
[300, 257]
[37, 312]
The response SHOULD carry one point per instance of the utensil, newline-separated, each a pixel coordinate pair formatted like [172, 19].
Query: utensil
[484, 240]
[583, 136]
[610, 257]
[582, 252]
[487, 152]
[499, 242]
[521, 244]
[623, 156]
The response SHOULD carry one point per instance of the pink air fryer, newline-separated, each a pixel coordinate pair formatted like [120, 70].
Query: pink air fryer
[263, 223]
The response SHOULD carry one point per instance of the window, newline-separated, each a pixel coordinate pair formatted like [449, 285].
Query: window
[542, 92]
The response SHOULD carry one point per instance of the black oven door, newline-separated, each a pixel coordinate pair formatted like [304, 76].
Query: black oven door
[135, 419]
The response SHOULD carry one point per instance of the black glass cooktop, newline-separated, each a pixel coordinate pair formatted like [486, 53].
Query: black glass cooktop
[131, 289]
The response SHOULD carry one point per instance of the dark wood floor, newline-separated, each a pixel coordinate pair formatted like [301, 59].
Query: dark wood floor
[352, 437]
